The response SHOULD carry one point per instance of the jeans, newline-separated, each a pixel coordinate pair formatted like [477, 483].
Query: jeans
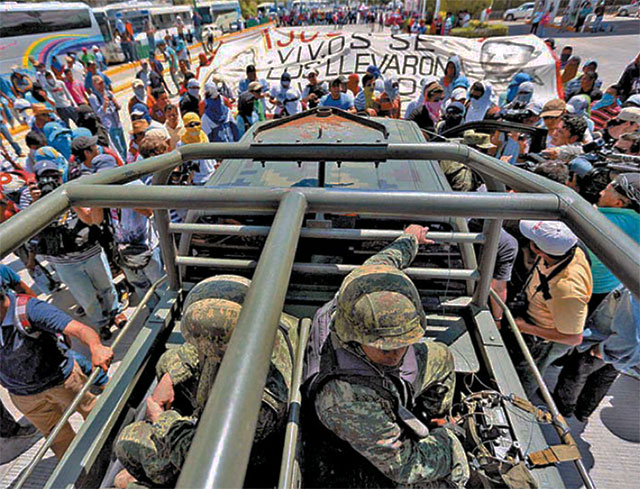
[145, 277]
[43, 278]
[597, 24]
[582, 384]
[176, 81]
[151, 40]
[7, 111]
[544, 353]
[116, 134]
[91, 284]
[4, 130]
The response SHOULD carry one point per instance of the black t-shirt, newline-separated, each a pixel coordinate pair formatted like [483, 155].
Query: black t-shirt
[188, 103]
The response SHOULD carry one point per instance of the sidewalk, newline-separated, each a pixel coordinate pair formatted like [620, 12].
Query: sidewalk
[121, 76]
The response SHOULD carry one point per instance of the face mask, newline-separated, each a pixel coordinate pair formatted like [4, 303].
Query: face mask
[607, 99]
[475, 96]
[140, 93]
[48, 184]
[433, 106]
[453, 117]
[285, 84]
[194, 92]
[434, 109]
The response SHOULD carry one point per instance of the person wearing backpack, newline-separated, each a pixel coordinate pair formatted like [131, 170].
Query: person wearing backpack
[41, 375]
[555, 296]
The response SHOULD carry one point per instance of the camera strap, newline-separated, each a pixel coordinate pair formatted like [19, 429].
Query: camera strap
[545, 279]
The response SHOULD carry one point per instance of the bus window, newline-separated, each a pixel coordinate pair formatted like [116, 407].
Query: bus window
[44, 21]
[103, 23]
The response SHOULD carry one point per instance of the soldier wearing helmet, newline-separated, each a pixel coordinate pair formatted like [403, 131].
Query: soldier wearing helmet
[153, 451]
[373, 385]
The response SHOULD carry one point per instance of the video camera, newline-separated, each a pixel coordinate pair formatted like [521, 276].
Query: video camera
[516, 115]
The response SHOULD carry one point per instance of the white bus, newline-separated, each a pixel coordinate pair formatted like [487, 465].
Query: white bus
[220, 13]
[40, 31]
[162, 16]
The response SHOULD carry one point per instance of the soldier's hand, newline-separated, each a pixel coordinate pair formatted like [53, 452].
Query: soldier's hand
[163, 394]
[101, 356]
[420, 232]
[154, 410]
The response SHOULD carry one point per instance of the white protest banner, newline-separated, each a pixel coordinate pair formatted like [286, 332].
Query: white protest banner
[410, 57]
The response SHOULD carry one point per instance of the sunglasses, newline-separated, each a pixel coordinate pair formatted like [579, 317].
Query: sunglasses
[548, 117]
[138, 134]
[193, 124]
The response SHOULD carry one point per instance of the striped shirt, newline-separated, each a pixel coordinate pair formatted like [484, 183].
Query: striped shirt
[601, 116]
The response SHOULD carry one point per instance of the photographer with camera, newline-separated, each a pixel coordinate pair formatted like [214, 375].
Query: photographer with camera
[566, 138]
[627, 121]
[71, 245]
[552, 307]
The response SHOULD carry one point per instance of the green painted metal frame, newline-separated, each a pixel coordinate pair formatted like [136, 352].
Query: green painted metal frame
[231, 413]
[219, 454]
[619, 253]
[96, 429]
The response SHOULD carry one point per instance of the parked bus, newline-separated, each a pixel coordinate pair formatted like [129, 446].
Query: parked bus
[162, 16]
[221, 13]
[40, 31]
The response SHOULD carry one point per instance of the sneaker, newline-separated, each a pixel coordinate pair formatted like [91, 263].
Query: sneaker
[105, 333]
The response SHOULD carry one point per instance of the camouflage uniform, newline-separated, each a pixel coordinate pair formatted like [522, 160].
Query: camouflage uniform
[371, 414]
[154, 452]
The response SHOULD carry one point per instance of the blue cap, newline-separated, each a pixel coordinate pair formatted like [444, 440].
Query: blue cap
[45, 165]
[374, 70]
[103, 161]
[580, 166]
[54, 129]
[81, 131]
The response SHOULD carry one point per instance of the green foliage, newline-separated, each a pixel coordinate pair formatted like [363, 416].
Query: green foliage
[485, 30]
[249, 8]
[473, 6]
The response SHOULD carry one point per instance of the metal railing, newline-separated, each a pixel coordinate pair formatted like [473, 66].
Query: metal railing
[221, 446]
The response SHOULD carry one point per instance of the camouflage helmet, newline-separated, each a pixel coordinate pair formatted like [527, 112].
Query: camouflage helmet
[208, 325]
[233, 288]
[379, 306]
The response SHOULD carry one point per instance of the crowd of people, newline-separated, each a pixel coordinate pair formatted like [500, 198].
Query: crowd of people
[398, 19]
[571, 307]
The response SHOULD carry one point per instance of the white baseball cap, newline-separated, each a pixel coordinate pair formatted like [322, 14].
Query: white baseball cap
[631, 114]
[552, 237]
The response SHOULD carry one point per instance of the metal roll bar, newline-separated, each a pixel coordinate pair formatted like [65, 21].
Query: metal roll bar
[219, 454]
[78, 398]
[588, 224]
[562, 429]
[328, 268]
[287, 465]
[222, 443]
[320, 233]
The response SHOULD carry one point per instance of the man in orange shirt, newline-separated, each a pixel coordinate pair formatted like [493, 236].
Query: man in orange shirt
[556, 296]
